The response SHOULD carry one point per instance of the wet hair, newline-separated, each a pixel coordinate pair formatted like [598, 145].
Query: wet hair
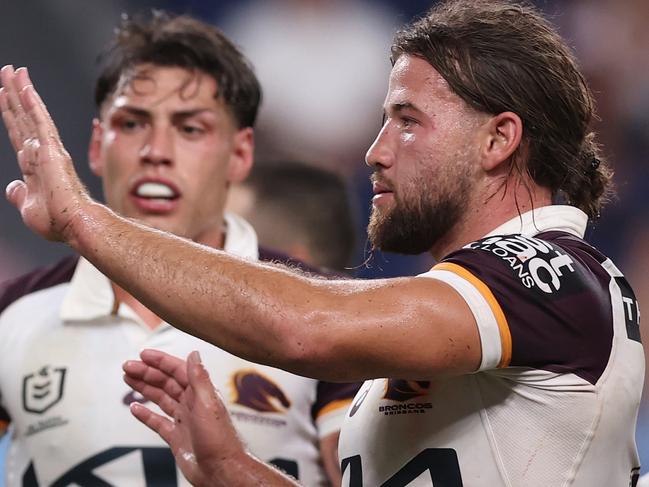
[500, 56]
[310, 201]
[180, 41]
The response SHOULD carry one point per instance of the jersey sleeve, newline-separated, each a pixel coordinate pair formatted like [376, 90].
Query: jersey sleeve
[536, 304]
[14, 289]
[331, 404]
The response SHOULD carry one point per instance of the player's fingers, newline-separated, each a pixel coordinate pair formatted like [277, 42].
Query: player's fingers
[45, 129]
[158, 396]
[172, 366]
[28, 156]
[16, 192]
[21, 81]
[200, 382]
[32, 100]
[7, 76]
[161, 425]
[154, 377]
[170, 388]
[10, 121]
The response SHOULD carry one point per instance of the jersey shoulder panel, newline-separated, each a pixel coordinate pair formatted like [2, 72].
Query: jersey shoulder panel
[554, 295]
[37, 280]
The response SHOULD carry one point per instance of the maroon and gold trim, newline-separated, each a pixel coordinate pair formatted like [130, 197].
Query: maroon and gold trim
[483, 289]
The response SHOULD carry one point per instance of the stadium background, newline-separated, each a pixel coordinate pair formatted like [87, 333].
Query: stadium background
[323, 65]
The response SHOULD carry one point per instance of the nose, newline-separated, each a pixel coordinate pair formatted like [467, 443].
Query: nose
[158, 147]
[380, 152]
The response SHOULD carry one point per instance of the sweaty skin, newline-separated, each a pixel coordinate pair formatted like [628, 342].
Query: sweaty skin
[415, 327]
[260, 312]
[20, 123]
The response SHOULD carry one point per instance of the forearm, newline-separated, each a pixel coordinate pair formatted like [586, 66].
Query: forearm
[248, 471]
[252, 310]
[330, 330]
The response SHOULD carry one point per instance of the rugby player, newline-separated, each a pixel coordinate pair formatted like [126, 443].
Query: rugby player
[176, 105]
[516, 361]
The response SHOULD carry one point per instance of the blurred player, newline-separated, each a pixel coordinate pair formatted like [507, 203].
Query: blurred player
[300, 209]
[176, 104]
[516, 361]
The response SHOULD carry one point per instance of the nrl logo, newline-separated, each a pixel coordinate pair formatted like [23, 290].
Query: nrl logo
[43, 389]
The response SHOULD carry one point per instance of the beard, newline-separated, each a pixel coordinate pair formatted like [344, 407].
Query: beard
[421, 217]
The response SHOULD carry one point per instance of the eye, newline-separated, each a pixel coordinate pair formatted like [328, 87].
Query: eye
[191, 130]
[408, 123]
[129, 125]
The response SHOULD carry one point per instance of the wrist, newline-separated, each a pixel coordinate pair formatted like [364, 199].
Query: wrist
[85, 224]
[231, 470]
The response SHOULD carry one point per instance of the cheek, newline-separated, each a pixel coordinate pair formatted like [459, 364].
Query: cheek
[209, 186]
[408, 139]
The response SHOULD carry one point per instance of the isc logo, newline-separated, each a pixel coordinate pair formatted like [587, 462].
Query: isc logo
[536, 263]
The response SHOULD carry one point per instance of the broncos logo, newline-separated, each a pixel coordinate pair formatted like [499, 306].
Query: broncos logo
[402, 390]
[253, 390]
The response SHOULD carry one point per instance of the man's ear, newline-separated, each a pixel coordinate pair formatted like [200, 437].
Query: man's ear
[242, 157]
[94, 149]
[502, 136]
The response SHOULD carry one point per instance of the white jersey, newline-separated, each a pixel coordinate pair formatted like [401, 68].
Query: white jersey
[555, 400]
[61, 387]
[643, 481]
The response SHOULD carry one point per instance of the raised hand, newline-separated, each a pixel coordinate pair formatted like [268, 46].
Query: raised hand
[197, 418]
[50, 195]
[197, 428]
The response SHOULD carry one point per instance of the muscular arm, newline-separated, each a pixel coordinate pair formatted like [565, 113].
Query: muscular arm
[335, 330]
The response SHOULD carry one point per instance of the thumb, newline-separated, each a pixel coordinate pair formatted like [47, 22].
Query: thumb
[16, 192]
[199, 379]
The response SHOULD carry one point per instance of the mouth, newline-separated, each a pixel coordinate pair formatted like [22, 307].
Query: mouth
[379, 184]
[381, 190]
[381, 196]
[155, 195]
[378, 188]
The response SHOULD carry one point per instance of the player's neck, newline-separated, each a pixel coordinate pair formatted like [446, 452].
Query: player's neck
[488, 212]
[215, 239]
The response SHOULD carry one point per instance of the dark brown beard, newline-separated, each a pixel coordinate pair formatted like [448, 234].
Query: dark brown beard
[413, 227]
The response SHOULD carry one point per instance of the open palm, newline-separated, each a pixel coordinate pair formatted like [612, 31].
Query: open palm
[50, 193]
[197, 425]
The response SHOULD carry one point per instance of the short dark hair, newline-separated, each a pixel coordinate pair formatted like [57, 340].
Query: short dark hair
[499, 56]
[310, 201]
[181, 41]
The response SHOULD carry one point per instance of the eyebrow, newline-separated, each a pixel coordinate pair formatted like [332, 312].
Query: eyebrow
[399, 107]
[140, 112]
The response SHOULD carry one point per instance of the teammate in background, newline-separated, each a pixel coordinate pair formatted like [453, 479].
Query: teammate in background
[176, 106]
[515, 361]
[300, 209]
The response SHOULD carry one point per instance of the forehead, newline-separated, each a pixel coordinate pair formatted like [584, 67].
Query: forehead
[151, 85]
[414, 81]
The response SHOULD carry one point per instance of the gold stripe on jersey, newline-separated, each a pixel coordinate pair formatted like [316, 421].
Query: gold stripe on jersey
[334, 406]
[503, 326]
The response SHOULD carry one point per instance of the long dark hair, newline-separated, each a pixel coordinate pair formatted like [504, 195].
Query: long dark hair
[502, 56]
